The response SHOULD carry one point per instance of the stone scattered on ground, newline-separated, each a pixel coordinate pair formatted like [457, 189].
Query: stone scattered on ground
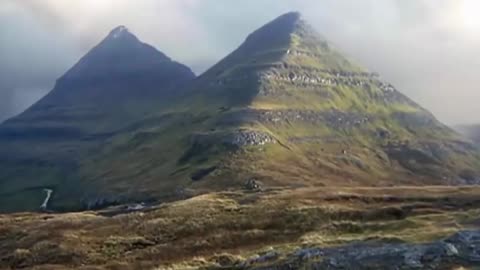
[461, 249]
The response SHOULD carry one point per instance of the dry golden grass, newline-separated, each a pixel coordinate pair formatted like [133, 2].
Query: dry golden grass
[207, 230]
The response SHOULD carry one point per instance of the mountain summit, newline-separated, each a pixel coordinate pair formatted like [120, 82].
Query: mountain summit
[121, 61]
[284, 109]
[119, 73]
[120, 31]
[288, 43]
[288, 30]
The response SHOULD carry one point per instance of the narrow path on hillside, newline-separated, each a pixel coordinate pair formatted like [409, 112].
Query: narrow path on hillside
[47, 198]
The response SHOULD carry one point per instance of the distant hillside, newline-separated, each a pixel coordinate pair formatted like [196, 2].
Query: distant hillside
[284, 109]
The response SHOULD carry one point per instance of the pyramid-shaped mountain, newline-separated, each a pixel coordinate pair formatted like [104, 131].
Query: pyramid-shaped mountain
[118, 78]
[284, 109]
[114, 85]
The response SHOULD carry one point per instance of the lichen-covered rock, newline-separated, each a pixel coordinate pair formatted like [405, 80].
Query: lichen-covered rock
[238, 138]
[248, 137]
[304, 75]
[262, 258]
[253, 185]
[333, 118]
[463, 248]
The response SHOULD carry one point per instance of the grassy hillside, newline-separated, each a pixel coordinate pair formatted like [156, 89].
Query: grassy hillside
[286, 109]
[237, 230]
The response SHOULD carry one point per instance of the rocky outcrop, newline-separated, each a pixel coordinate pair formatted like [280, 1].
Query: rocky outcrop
[332, 118]
[311, 76]
[202, 144]
[98, 202]
[253, 185]
[238, 138]
[461, 249]
[250, 137]
[390, 95]
[262, 258]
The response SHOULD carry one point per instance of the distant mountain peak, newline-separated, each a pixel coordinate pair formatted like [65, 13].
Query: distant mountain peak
[120, 52]
[292, 17]
[121, 34]
[119, 31]
[119, 59]
[278, 30]
[286, 39]
[285, 33]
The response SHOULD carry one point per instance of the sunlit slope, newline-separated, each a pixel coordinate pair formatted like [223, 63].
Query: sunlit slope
[285, 108]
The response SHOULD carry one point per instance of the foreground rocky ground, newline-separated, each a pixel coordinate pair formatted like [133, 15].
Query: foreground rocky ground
[321, 228]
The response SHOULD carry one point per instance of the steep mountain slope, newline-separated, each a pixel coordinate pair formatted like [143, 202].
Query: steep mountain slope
[106, 84]
[285, 108]
[117, 82]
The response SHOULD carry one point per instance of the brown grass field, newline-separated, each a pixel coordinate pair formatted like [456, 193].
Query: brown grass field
[211, 230]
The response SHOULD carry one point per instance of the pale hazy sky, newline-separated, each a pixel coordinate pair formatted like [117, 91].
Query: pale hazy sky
[429, 49]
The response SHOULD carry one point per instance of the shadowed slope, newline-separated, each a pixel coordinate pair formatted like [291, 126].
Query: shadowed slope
[116, 83]
[113, 82]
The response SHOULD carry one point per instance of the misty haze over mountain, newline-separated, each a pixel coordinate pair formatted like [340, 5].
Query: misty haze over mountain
[423, 47]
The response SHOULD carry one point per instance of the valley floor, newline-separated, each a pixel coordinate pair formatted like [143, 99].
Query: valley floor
[315, 228]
